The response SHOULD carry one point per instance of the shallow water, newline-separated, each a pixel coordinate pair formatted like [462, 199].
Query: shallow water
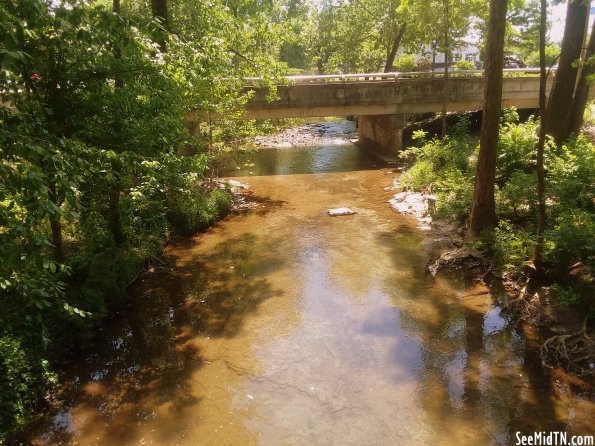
[285, 326]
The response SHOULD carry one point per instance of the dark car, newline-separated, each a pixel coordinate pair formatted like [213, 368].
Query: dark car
[513, 61]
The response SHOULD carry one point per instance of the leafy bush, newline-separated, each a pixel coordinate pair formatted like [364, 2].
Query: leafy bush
[445, 167]
[567, 296]
[464, 65]
[23, 381]
[571, 197]
[516, 146]
[89, 173]
[192, 212]
[218, 204]
[589, 116]
[421, 176]
[552, 51]
[570, 238]
[406, 63]
[511, 247]
[424, 64]
[518, 196]
[570, 182]
[454, 192]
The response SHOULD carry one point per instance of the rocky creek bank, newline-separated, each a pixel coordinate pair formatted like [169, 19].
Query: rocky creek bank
[568, 344]
[315, 134]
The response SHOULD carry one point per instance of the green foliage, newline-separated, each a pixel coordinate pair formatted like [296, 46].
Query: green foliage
[522, 30]
[405, 63]
[516, 147]
[516, 198]
[444, 167]
[571, 194]
[552, 52]
[566, 295]
[570, 175]
[454, 192]
[358, 36]
[442, 26]
[420, 176]
[589, 117]
[511, 247]
[92, 120]
[293, 50]
[464, 65]
[570, 238]
[24, 378]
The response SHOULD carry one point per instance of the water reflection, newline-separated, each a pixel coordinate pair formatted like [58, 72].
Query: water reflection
[300, 160]
[286, 326]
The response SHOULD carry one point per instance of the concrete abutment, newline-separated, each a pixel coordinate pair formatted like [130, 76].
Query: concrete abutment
[381, 134]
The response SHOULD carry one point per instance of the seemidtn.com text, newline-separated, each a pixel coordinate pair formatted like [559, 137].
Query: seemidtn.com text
[553, 439]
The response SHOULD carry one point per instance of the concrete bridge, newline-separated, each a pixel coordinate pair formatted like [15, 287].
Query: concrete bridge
[382, 100]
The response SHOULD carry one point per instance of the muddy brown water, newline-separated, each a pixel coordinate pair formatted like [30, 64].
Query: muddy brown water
[284, 326]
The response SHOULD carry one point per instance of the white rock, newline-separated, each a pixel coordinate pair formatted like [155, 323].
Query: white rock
[237, 184]
[340, 211]
[416, 204]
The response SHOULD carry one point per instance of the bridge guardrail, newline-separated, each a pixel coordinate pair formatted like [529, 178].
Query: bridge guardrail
[363, 77]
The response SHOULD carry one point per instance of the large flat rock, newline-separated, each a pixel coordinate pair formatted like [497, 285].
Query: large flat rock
[336, 212]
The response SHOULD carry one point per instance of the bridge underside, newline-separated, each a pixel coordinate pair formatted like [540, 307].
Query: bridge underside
[381, 105]
[386, 97]
[375, 110]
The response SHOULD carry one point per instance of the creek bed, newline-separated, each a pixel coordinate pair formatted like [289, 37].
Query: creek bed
[282, 326]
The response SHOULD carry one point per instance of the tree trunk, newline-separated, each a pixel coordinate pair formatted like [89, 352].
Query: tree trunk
[446, 83]
[483, 208]
[557, 117]
[392, 52]
[57, 239]
[581, 96]
[159, 11]
[119, 82]
[538, 249]
[56, 225]
[114, 220]
[320, 66]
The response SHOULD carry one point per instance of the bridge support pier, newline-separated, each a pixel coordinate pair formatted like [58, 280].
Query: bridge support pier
[381, 134]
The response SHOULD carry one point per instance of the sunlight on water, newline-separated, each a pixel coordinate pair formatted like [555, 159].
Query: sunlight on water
[284, 326]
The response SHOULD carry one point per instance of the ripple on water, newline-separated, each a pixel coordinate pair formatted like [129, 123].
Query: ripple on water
[286, 326]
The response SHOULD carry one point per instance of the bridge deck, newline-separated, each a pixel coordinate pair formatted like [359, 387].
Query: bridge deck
[387, 93]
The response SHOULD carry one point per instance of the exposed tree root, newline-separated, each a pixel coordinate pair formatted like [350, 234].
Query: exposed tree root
[525, 307]
[574, 352]
[459, 257]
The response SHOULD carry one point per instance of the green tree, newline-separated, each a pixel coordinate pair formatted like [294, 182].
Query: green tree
[443, 26]
[293, 51]
[559, 109]
[92, 119]
[541, 217]
[552, 53]
[359, 35]
[483, 207]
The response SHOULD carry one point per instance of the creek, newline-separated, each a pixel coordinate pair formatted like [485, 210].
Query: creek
[282, 325]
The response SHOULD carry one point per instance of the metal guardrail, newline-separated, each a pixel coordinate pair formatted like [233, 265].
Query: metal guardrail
[363, 77]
